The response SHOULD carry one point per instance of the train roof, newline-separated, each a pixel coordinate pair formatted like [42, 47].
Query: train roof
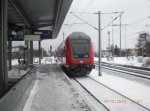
[78, 35]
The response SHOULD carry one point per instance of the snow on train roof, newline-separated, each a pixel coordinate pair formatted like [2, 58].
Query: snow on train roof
[78, 35]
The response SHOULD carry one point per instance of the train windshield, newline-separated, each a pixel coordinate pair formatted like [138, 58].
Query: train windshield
[80, 48]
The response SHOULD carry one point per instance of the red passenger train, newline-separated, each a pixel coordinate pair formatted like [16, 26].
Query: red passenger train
[76, 54]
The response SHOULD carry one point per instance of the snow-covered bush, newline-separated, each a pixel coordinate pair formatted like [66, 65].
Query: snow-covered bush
[146, 62]
[140, 59]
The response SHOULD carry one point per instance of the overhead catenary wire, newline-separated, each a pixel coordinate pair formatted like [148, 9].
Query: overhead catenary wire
[132, 23]
[136, 5]
[106, 25]
[112, 21]
[87, 7]
[84, 9]
[73, 8]
[138, 21]
[94, 26]
[134, 14]
[84, 21]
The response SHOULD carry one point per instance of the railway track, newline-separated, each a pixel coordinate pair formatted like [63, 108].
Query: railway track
[124, 69]
[109, 98]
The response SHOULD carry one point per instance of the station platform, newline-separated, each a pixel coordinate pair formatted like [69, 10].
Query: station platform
[53, 92]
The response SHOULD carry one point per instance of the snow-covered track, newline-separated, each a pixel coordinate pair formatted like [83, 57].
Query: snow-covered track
[109, 98]
[126, 70]
[128, 66]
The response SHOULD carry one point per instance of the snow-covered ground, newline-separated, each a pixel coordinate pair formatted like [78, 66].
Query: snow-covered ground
[133, 90]
[134, 61]
[14, 73]
[14, 62]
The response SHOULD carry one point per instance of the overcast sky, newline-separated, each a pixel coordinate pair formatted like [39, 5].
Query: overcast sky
[136, 13]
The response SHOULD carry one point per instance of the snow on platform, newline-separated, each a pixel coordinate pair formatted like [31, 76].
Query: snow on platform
[44, 60]
[53, 92]
[133, 90]
[14, 73]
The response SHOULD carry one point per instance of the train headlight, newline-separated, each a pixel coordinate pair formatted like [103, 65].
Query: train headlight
[86, 56]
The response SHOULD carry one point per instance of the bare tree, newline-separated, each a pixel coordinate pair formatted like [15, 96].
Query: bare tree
[143, 44]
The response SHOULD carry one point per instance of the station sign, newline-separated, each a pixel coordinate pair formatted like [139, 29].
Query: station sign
[45, 34]
[32, 37]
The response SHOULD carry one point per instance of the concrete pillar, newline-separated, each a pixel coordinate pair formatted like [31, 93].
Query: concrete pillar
[3, 46]
[39, 52]
[10, 54]
[27, 54]
[31, 52]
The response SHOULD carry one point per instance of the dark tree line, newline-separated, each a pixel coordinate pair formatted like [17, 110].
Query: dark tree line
[126, 52]
[143, 44]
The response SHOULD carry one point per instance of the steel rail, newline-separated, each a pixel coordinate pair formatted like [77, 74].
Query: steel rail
[92, 94]
[126, 70]
[76, 79]
[119, 93]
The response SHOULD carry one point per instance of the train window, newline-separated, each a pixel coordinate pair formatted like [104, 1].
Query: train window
[80, 48]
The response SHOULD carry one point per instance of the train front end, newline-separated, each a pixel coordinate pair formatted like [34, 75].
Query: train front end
[79, 54]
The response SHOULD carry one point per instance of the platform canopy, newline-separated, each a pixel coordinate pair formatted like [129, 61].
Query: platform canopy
[38, 13]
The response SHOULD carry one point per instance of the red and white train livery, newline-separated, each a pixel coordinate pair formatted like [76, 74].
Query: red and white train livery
[76, 54]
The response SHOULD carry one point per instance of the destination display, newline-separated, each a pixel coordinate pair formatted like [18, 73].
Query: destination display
[19, 36]
[45, 34]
